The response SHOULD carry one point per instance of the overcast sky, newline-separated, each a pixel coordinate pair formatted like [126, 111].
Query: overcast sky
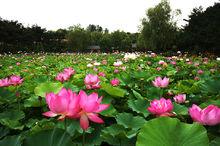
[112, 14]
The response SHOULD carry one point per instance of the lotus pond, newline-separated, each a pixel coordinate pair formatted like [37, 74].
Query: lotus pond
[141, 99]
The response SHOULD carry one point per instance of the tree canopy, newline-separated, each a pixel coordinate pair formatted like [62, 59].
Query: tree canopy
[158, 30]
[202, 31]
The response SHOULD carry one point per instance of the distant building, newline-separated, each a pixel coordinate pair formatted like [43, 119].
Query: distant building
[94, 48]
[133, 45]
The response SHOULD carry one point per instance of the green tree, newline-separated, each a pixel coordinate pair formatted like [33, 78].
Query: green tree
[158, 30]
[105, 41]
[202, 31]
[121, 40]
[78, 38]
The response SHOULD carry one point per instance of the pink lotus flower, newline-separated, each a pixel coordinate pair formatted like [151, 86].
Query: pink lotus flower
[196, 64]
[90, 107]
[196, 78]
[189, 62]
[153, 54]
[205, 60]
[161, 83]
[207, 116]
[180, 98]
[116, 71]
[173, 62]
[18, 63]
[115, 82]
[161, 107]
[15, 80]
[62, 77]
[92, 81]
[158, 68]
[102, 74]
[64, 104]
[169, 58]
[123, 68]
[104, 62]
[95, 69]
[69, 71]
[118, 63]
[4, 82]
[161, 62]
[200, 71]
[65, 75]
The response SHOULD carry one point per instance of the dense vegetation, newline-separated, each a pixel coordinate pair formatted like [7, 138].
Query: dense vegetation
[137, 106]
[158, 32]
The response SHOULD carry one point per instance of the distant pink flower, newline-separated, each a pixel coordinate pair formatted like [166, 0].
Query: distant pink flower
[161, 107]
[158, 68]
[196, 64]
[115, 82]
[207, 116]
[4, 82]
[200, 71]
[161, 83]
[65, 75]
[189, 62]
[102, 74]
[205, 62]
[196, 78]
[118, 63]
[64, 104]
[123, 68]
[69, 71]
[161, 62]
[116, 71]
[15, 80]
[62, 77]
[92, 81]
[18, 63]
[173, 62]
[95, 69]
[180, 98]
[169, 58]
[90, 106]
[104, 62]
[205, 59]
[153, 54]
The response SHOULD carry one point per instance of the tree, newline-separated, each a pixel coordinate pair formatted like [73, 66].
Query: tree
[202, 31]
[158, 30]
[93, 28]
[105, 42]
[78, 38]
[121, 40]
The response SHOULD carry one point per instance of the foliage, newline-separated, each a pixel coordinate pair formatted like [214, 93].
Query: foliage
[202, 31]
[127, 120]
[158, 29]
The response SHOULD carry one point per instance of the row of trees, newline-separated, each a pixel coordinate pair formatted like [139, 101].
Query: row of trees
[158, 31]
[80, 38]
[15, 37]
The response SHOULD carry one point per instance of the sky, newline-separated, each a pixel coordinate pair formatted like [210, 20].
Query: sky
[123, 15]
